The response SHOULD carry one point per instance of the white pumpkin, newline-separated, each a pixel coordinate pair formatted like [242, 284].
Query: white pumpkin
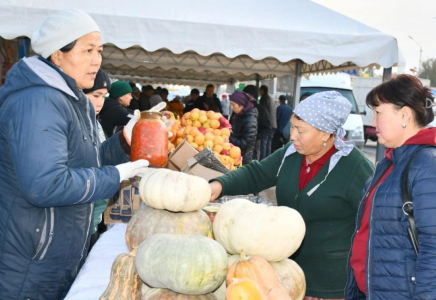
[174, 191]
[185, 264]
[271, 232]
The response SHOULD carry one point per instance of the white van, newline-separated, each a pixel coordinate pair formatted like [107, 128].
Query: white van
[341, 83]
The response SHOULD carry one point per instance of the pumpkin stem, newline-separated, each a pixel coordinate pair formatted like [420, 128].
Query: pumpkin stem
[133, 252]
[243, 256]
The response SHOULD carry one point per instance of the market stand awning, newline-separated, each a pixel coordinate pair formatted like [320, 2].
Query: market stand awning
[216, 41]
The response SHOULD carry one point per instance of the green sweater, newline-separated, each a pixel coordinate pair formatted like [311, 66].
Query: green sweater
[329, 213]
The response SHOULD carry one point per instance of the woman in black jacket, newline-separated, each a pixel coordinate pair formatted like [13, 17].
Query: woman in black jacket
[244, 124]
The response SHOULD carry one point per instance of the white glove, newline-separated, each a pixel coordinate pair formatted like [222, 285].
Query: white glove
[132, 169]
[129, 126]
[168, 123]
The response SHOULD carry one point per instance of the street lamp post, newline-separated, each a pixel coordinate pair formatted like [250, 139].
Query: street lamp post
[420, 53]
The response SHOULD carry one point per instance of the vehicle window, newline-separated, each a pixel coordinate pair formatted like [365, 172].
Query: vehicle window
[346, 93]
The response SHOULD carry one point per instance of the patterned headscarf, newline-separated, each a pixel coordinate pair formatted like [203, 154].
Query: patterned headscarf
[326, 111]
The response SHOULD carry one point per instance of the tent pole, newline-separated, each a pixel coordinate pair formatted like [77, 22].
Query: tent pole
[297, 81]
[380, 152]
[257, 82]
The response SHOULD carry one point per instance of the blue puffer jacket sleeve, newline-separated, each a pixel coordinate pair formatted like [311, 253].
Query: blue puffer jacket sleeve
[52, 179]
[423, 190]
[111, 152]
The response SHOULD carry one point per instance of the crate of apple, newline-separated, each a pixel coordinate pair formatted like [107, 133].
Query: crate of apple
[207, 128]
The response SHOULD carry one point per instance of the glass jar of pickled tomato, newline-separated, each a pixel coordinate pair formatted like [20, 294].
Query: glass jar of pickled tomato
[150, 140]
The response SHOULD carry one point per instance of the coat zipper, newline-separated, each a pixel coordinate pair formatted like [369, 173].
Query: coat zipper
[43, 235]
[42, 239]
[50, 234]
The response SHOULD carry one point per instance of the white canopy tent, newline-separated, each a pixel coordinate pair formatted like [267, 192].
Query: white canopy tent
[219, 41]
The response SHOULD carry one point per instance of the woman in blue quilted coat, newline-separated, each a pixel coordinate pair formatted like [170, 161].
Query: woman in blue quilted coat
[382, 261]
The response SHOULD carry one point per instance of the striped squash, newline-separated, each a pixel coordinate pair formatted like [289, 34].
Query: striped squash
[124, 281]
[148, 221]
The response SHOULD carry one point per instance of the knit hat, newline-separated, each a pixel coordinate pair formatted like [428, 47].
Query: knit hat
[61, 29]
[119, 89]
[243, 99]
[102, 81]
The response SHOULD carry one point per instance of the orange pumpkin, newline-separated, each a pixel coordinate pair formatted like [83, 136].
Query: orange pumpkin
[262, 273]
[243, 289]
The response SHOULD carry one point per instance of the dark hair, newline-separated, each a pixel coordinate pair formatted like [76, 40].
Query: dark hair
[210, 86]
[305, 95]
[66, 48]
[195, 92]
[252, 90]
[164, 91]
[282, 98]
[404, 90]
[147, 88]
[264, 88]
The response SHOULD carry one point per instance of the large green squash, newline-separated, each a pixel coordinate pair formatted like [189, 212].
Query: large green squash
[185, 264]
[148, 221]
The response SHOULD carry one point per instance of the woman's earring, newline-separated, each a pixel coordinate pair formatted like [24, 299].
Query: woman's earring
[324, 144]
[404, 125]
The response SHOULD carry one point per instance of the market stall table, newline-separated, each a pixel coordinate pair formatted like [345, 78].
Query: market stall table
[94, 276]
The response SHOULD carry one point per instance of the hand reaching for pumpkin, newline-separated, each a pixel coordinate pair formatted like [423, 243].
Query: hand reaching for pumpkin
[132, 169]
[216, 189]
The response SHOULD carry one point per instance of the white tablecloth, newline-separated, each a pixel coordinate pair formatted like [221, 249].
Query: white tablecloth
[94, 276]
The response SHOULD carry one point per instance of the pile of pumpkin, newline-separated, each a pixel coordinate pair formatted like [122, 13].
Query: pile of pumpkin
[174, 254]
[206, 128]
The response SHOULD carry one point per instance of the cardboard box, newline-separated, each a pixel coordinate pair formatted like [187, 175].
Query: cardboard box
[179, 159]
[123, 204]
[194, 168]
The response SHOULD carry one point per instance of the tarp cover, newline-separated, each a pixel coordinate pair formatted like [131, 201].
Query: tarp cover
[217, 39]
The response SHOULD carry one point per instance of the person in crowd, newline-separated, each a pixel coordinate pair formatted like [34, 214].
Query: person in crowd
[115, 114]
[155, 100]
[134, 104]
[164, 94]
[192, 103]
[244, 124]
[225, 105]
[319, 175]
[144, 99]
[263, 125]
[53, 166]
[96, 94]
[283, 114]
[268, 103]
[209, 100]
[382, 263]
[175, 106]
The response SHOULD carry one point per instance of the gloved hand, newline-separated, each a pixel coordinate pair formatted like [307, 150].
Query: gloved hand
[168, 124]
[127, 131]
[132, 169]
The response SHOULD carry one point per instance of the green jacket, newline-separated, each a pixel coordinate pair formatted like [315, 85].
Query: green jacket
[329, 213]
